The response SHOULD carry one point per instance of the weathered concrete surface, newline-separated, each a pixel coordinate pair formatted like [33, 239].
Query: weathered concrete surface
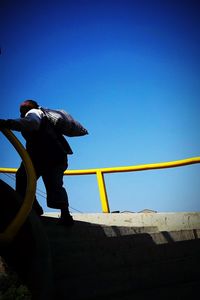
[162, 221]
[96, 261]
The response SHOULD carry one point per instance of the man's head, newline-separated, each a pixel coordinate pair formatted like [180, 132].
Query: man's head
[26, 106]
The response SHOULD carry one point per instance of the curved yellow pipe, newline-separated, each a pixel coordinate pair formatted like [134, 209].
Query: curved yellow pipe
[26, 207]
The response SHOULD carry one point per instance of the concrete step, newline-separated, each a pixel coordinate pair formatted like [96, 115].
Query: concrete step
[104, 277]
[166, 221]
[90, 231]
[91, 261]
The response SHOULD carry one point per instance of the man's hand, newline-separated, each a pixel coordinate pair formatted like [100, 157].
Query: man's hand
[3, 123]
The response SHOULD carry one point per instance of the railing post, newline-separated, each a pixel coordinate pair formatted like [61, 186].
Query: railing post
[102, 192]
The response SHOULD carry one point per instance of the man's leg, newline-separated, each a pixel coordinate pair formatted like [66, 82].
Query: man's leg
[21, 184]
[56, 194]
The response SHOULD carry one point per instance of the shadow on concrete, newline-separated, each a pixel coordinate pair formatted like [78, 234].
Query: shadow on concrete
[92, 261]
[29, 253]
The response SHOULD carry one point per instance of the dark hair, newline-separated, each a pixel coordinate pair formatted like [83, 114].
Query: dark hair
[29, 103]
[26, 106]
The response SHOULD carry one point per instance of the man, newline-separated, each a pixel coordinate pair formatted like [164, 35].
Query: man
[48, 151]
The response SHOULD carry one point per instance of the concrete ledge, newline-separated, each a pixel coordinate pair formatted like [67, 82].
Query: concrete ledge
[162, 221]
[111, 261]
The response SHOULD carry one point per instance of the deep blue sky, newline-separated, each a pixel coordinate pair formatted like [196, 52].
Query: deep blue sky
[130, 72]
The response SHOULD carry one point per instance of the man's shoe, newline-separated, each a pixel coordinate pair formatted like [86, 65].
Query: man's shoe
[66, 220]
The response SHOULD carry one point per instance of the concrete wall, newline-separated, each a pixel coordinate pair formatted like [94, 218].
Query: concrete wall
[100, 257]
[162, 221]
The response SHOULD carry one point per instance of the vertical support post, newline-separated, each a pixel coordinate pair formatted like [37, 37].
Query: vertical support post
[102, 192]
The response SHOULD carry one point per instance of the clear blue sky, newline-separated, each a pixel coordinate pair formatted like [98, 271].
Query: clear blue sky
[130, 72]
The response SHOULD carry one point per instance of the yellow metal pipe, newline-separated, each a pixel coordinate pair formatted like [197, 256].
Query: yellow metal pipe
[26, 207]
[8, 170]
[100, 171]
[162, 165]
[102, 192]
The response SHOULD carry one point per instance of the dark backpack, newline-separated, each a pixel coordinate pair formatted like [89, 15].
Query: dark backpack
[64, 122]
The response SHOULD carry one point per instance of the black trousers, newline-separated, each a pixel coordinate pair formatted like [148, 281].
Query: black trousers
[52, 177]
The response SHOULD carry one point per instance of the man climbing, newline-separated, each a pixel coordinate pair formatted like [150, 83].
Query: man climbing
[48, 150]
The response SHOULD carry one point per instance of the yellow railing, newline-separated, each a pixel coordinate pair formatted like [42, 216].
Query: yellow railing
[25, 209]
[99, 172]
